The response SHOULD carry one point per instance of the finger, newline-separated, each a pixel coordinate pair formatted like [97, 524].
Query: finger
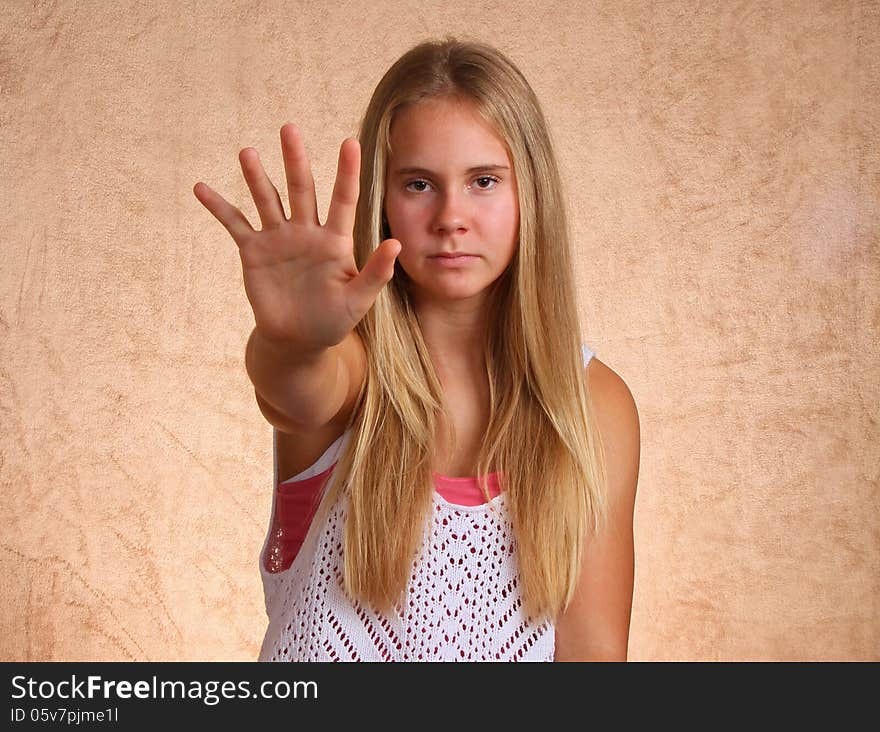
[343, 203]
[265, 195]
[300, 182]
[378, 271]
[232, 218]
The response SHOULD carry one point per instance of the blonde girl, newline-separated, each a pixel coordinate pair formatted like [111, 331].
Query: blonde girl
[459, 470]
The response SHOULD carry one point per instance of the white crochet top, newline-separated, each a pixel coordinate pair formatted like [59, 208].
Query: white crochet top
[462, 602]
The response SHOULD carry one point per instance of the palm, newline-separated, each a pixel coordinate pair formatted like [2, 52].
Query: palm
[300, 277]
[298, 286]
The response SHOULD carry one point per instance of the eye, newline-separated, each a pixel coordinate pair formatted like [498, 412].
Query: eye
[416, 182]
[490, 179]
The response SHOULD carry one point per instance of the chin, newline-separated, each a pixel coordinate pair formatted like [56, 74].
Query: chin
[463, 292]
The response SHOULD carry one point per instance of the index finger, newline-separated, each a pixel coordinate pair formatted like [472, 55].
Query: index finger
[343, 204]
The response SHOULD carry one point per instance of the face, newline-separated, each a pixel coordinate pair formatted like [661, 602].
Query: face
[450, 188]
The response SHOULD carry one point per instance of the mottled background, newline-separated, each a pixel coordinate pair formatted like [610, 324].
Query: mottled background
[722, 167]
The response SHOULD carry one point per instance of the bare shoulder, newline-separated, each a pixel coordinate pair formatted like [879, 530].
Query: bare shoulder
[607, 388]
[617, 418]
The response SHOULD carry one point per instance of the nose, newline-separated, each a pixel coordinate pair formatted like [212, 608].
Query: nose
[452, 212]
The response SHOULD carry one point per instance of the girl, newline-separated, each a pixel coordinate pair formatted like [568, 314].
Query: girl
[447, 495]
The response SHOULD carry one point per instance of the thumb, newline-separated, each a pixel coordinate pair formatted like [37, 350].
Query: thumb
[391, 250]
[377, 272]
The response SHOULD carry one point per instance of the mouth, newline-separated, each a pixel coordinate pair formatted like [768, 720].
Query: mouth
[453, 261]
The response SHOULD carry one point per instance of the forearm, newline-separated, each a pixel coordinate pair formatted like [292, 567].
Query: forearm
[299, 384]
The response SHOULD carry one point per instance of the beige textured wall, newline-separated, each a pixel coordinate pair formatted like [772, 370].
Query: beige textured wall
[722, 166]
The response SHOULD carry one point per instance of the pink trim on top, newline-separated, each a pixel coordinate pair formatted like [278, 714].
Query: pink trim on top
[466, 491]
[296, 505]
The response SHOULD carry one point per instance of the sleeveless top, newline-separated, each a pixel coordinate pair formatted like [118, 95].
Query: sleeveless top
[462, 601]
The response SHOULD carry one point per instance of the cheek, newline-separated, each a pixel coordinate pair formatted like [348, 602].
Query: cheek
[401, 212]
[504, 216]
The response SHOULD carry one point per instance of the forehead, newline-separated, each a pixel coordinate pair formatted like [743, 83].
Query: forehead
[444, 132]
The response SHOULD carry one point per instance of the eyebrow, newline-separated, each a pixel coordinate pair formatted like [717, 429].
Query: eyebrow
[425, 171]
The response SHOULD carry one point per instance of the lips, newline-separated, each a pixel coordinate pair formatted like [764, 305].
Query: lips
[458, 261]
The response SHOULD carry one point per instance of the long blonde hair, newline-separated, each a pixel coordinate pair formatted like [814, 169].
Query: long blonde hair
[541, 436]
